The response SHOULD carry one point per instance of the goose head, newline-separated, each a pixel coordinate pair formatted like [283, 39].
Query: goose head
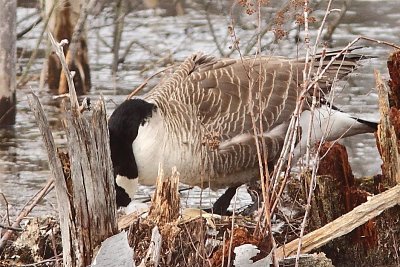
[123, 128]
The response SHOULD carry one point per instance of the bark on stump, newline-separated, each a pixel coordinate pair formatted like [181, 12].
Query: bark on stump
[388, 134]
[307, 260]
[336, 193]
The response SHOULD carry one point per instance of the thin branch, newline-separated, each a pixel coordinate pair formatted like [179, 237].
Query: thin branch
[5, 115]
[32, 59]
[58, 48]
[26, 210]
[143, 46]
[29, 28]
[103, 41]
[332, 26]
[379, 41]
[254, 39]
[232, 231]
[211, 27]
[79, 27]
[7, 209]
[11, 228]
[140, 87]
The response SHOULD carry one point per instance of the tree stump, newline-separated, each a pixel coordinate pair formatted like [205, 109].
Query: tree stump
[165, 202]
[388, 134]
[8, 18]
[84, 182]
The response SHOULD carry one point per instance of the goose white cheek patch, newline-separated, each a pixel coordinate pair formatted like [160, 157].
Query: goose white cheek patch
[129, 185]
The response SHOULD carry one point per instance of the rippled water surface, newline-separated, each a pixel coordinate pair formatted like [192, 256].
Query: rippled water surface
[161, 39]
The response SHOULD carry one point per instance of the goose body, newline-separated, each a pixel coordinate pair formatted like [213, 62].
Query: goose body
[199, 120]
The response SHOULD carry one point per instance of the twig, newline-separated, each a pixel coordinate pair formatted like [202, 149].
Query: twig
[141, 45]
[41, 263]
[254, 39]
[102, 40]
[223, 248]
[140, 87]
[307, 78]
[266, 179]
[27, 17]
[54, 247]
[5, 115]
[211, 27]
[32, 59]
[7, 209]
[11, 228]
[119, 27]
[232, 231]
[29, 28]
[318, 77]
[305, 83]
[58, 48]
[379, 41]
[193, 244]
[332, 26]
[26, 210]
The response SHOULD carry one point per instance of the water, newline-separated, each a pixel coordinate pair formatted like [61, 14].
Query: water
[162, 39]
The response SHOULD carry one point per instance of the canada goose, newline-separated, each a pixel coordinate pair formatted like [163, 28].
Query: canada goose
[199, 120]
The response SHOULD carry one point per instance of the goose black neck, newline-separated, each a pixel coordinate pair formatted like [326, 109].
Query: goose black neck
[123, 127]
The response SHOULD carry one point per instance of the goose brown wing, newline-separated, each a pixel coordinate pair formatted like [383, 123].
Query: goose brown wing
[227, 91]
[220, 94]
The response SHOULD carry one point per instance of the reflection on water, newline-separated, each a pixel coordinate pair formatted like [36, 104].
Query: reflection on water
[157, 40]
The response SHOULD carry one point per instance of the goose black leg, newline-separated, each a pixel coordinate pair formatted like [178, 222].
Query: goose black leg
[221, 205]
[255, 192]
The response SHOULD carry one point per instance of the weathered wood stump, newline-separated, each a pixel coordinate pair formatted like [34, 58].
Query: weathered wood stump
[162, 239]
[165, 202]
[388, 134]
[8, 17]
[84, 182]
